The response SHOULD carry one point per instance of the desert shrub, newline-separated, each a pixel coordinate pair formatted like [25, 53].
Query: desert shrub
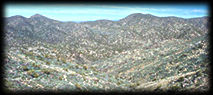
[65, 69]
[33, 64]
[70, 67]
[39, 58]
[78, 86]
[48, 63]
[25, 68]
[58, 63]
[132, 85]
[30, 72]
[45, 55]
[154, 79]
[94, 69]
[158, 88]
[84, 78]
[32, 57]
[85, 67]
[58, 58]
[180, 79]
[95, 73]
[175, 88]
[46, 71]
[63, 60]
[183, 55]
[118, 83]
[36, 65]
[30, 53]
[198, 73]
[8, 84]
[60, 78]
[95, 82]
[76, 67]
[138, 84]
[33, 73]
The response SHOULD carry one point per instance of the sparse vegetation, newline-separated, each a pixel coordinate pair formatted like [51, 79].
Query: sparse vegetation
[85, 67]
[175, 88]
[33, 73]
[25, 68]
[46, 71]
[65, 69]
[60, 77]
[78, 86]
[48, 63]
[132, 53]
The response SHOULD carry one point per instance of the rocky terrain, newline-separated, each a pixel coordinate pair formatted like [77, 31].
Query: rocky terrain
[137, 53]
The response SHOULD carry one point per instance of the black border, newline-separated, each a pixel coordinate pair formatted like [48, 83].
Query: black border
[99, 2]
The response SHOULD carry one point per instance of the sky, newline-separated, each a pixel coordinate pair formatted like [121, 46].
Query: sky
[92, 12]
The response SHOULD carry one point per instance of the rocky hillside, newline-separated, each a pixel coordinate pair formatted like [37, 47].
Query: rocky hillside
[138, 52]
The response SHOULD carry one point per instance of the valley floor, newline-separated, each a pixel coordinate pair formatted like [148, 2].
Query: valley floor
[173, 64]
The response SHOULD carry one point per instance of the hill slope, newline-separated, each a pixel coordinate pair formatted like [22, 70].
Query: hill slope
[138, 52]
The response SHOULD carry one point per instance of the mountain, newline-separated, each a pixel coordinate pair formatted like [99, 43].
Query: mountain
[138, 52]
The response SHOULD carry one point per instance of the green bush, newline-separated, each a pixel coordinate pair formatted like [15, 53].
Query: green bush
[84, 78]
[78, 86]
[158, 88]
[133, 85]
[76, 67]
[46, 56]
[46, 71]
[25, 68]
[175, 88]
[118, 83]
[48, 63]
[63, 60]
[8, 84]
[36, 65]
[85, 67]
[39, 58]
[30, 53]
[33, 73]
[95, 73]
[180, 79]
[65, 69]
[60, 78]
[154, 79]
[30, 72]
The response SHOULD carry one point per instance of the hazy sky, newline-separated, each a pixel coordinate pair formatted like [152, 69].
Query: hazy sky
[85, 12]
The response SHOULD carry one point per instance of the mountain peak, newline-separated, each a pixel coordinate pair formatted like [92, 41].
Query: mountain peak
[137, 16]
[36, 16]
[17, 16]
[140, 15]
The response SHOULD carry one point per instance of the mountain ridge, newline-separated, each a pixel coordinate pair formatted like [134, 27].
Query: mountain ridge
[135, 53]
[134, 14]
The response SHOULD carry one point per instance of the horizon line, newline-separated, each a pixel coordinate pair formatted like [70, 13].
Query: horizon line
[78, 21]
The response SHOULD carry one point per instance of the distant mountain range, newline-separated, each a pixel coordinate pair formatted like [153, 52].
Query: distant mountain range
[122, 49]
[133, 30]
